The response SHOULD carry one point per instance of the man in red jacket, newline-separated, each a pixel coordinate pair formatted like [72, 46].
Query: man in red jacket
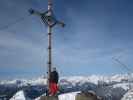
[54, 77]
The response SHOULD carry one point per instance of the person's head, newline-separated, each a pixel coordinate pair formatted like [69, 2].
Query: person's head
[54, 69]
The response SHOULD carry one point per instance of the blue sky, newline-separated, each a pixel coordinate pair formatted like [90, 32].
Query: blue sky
[96, 31]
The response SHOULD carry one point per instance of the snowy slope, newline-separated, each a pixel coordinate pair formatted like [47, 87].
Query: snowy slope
[128, 95]
[125, 86]
[19, 96]
[68, 96]
[65, 96]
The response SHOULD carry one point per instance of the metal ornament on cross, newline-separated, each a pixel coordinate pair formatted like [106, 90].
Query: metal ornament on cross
[48, 16]
[49, 20]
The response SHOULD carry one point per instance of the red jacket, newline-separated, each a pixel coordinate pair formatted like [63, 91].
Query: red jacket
[53, 88]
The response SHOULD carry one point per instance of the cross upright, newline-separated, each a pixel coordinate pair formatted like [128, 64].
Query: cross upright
[49, 20]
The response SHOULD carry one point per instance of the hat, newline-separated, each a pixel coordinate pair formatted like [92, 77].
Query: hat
[54, 68]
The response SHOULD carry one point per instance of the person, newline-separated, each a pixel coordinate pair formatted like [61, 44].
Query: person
[54, 77]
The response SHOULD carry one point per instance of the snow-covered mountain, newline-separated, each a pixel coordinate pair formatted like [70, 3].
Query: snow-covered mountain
[96, 79]
[113, 87]
[19, 96]
[128, 95]
[24, 82]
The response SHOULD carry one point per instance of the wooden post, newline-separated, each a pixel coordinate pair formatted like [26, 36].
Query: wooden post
[49, 44]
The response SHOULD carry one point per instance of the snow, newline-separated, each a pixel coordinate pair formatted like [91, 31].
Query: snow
[119, 77]
[68, 96]
[39, 81]
[96, 78]
[125, 86]
[38, 98]
[19, 96]
[128, 95]
[65, 96]
[24, 82]
[112, 83]
[73, 80]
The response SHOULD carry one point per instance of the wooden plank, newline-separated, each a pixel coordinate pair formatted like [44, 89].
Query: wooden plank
[49, 98]
[88, 96]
